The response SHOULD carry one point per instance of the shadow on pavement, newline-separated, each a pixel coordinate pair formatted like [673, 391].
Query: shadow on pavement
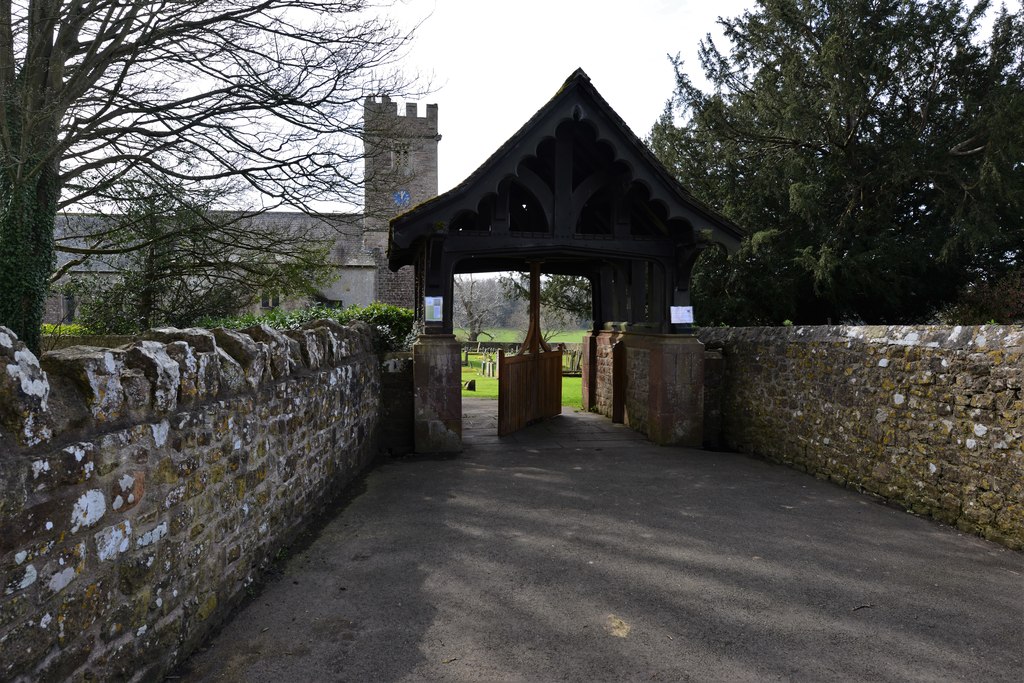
[576, 550]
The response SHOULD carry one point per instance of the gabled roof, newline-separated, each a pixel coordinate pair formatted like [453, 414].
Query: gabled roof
[576, 101]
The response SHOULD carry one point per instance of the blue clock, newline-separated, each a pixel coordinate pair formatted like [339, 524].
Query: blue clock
[402, 198]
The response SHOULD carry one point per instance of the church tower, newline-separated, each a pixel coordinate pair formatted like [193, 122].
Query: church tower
[400, 172]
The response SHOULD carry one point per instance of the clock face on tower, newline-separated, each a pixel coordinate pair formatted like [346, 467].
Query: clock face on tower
[402, 198]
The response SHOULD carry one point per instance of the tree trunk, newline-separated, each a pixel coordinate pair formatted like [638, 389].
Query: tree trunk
[28, 209]
[147, 293]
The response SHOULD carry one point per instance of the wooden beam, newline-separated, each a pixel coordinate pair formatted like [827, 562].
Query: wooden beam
[637, 292]
[563, 187]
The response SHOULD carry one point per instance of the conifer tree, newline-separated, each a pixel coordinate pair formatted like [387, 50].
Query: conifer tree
[875, 149]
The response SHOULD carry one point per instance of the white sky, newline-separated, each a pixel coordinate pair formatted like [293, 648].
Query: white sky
[494, 64]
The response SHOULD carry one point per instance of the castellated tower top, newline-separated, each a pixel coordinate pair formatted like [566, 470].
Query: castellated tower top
[378, 110]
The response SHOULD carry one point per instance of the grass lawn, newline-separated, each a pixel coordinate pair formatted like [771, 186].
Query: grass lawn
[507, 334]
[487, 387]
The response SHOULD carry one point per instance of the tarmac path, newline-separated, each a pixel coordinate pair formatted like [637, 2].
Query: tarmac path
[577, 551]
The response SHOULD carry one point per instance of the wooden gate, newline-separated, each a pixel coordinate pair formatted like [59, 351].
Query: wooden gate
[530, 382]
[529, 388]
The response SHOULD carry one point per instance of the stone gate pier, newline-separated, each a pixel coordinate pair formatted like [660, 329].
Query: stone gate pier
[654, 383]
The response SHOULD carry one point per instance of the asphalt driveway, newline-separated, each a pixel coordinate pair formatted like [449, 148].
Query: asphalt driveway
[577, 551]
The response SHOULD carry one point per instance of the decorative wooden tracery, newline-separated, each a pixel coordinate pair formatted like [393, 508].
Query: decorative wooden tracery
[576, 189]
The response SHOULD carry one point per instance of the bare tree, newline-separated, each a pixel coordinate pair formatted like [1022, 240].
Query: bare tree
[478, 304]
[553, 322]
[266, 91]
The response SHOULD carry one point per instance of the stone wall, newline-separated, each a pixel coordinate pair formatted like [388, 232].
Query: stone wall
[929, 417]
[604, 352]
[143, 488]
[714, 376]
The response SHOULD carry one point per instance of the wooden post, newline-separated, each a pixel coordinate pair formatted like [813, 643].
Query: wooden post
[534, 341]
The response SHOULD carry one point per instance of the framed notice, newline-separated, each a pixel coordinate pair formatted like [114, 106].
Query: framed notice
[682, 315]
[433, 307]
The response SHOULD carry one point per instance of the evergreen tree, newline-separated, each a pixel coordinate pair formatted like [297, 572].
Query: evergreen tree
[874, 148]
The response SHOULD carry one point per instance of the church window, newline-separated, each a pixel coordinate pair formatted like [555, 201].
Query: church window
[401, 159]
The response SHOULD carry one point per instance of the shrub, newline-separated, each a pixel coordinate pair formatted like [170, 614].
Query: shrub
[65, 329]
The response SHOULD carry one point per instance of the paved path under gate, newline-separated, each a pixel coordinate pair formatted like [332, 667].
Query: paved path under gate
[577, 551]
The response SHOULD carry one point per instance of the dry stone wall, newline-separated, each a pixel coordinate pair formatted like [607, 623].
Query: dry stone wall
[142, 488]
[929, 417]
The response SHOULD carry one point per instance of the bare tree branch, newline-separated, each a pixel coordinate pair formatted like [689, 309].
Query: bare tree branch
[266, 91]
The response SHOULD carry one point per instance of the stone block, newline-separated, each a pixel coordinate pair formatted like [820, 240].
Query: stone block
[333, 336]
[138, 394]
[162, 371]
[74, 464]
[285, 354]
[96, 374]
[24, 393]
[437, 398]
[202, 340]
[252, 356]
[188, 371]
[231, 375]
[311, 347]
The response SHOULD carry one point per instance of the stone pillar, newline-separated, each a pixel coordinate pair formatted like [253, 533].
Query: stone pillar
[656, 389]
[668, 404]
[437, 392]
[397, 405]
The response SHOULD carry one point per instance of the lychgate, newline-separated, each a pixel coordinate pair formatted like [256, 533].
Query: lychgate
[573, 192]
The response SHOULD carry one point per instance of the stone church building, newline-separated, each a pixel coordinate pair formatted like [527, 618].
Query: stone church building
[400, 169]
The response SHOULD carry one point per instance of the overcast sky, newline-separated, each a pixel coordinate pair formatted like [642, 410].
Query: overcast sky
[494, 64]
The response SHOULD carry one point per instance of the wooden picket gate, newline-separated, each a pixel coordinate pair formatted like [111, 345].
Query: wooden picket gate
[529, 388]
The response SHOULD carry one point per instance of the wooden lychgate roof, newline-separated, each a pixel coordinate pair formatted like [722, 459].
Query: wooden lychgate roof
[576, 189]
